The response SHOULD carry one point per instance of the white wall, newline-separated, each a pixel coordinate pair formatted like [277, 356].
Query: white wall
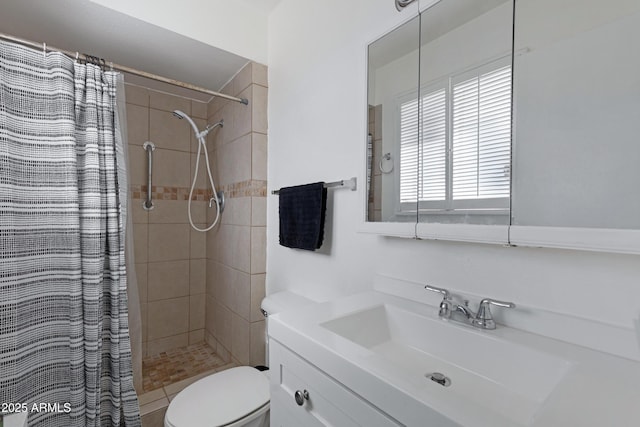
[234, 26]
[317, 131]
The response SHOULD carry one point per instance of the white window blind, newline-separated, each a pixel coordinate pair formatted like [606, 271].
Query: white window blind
[463, 150]
[434, 146]
[428, 157]
[408, 151]
[481, 139]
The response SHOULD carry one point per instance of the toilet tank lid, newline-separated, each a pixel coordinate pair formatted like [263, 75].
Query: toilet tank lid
[219, 399]
[282, 301]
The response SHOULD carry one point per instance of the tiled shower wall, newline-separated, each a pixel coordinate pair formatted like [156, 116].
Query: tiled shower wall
[236, 258]
[196, 286]
[170, 257]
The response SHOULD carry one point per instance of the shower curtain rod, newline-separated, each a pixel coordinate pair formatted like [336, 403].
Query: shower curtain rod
[123, 68]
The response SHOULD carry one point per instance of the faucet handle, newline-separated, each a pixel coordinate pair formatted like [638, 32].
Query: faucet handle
[484, 319]
[445, 293]
[489, 301]
[445, 304]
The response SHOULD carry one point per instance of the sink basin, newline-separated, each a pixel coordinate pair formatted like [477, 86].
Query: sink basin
[486, 372]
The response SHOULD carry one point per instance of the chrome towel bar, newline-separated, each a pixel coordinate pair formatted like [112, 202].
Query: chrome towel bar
[348, 183]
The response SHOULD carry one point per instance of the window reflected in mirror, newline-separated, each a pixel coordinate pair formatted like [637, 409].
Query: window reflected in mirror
[439, 143]
[464, 160]
[464, 149]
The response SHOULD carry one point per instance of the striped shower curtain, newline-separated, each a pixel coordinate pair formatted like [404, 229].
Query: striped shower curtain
[65, 354]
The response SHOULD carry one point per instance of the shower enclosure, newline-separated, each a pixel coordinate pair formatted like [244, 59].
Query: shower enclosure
[199, 288]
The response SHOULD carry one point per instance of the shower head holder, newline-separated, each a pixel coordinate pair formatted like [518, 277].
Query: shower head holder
[219, 200]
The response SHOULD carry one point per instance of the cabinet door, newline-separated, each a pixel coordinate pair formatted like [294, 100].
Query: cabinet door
[286, 413]
[576, 91]
[328, 402]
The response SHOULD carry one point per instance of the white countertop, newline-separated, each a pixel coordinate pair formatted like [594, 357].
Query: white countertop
[596, 389]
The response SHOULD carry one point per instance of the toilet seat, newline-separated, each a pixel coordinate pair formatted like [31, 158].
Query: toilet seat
[220, 399]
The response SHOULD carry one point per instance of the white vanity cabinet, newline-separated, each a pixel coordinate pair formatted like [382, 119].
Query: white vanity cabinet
[327, 403]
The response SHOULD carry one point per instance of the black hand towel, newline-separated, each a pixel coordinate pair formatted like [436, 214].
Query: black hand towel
[302, 211]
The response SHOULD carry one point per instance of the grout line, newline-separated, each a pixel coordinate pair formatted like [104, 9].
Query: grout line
[167, 299]
[154, 406]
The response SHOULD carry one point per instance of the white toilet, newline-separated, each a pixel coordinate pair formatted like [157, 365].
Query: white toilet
[237, 397]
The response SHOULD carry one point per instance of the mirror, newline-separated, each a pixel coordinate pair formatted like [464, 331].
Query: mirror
[439, 104]
[465, 87]
[577, 114]
[442, 149]
[393, 71]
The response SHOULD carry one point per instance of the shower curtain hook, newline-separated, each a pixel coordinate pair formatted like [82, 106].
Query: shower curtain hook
[44, 49]
[77, 55]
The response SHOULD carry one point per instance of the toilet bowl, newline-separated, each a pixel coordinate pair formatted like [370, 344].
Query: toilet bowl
[236, 397]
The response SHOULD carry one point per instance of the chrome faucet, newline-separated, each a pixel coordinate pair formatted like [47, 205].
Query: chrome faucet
[454, 310]
[464, 310]
[445, 305]
[484, 319]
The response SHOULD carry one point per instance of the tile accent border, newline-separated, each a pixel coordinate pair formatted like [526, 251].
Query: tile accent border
[169, 193]
[249, 188]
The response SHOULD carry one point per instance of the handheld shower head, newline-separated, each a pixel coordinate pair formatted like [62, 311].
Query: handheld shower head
[182, 115]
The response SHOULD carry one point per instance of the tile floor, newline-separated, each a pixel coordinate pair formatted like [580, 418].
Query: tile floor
[168, 373]
[178, 364]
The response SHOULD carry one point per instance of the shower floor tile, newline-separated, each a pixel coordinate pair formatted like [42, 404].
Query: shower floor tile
[178, 364]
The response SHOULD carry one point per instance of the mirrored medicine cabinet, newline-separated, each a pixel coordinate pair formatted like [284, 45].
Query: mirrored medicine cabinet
[510, 122]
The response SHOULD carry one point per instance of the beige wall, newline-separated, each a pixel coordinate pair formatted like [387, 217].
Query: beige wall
[170, 256]
[196, 286]
[236, 260]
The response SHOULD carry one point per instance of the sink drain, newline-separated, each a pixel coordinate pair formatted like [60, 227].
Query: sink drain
[439, 378]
